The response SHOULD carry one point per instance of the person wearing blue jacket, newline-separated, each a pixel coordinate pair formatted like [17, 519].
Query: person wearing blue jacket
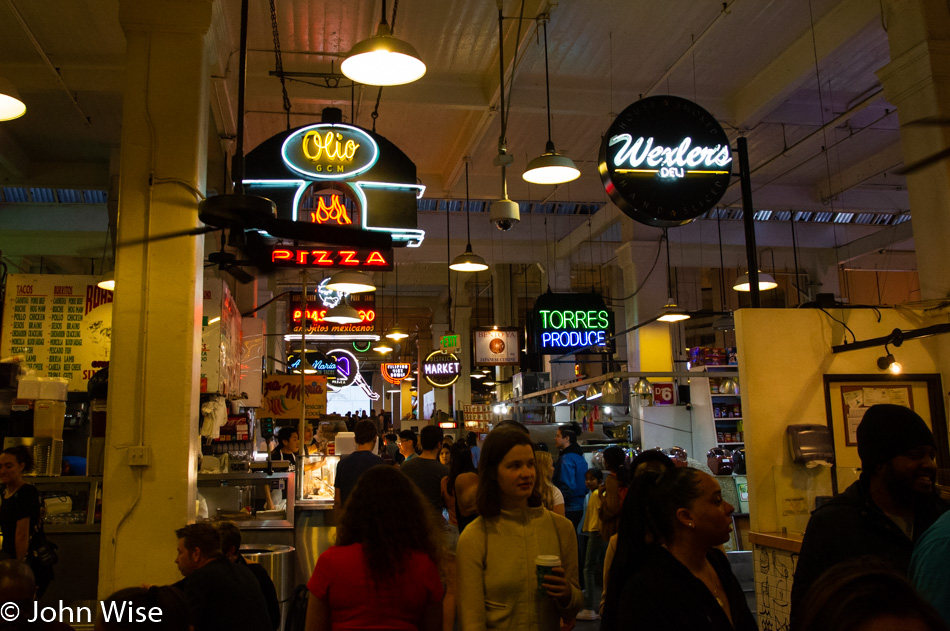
[569, 472]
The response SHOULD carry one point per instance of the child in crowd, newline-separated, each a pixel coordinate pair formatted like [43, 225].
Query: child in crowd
[594, 557]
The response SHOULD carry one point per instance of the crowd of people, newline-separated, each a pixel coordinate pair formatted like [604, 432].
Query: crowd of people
[504, 535]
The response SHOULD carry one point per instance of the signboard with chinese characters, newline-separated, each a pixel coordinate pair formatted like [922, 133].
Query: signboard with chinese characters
[496, 346]
[441, 369]
[60, 325]
[395, 373]
[282, 396]
[566, 323]
[665, 161]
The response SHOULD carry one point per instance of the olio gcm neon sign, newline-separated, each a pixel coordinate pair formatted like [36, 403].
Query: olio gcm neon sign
[669, 162]
[572, 329]
[330, 151]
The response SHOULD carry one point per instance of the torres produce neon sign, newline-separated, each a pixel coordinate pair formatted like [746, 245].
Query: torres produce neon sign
[573, 329]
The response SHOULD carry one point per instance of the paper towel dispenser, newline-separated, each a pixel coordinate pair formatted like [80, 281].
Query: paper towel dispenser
[810, 444]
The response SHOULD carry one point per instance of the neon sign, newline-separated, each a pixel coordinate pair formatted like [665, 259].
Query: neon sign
[563, 323]
[441, 369]
[317, 315]
[347, 368]
[317, 307]
[334, 213]
[394, 373]
[665, 161]
[671, 162]
[353, 258]
[330, 151]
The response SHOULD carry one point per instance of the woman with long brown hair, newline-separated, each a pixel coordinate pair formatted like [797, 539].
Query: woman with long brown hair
[383, 572]
[496, 554]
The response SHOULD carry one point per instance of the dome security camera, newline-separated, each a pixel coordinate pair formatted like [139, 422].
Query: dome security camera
[505, 214]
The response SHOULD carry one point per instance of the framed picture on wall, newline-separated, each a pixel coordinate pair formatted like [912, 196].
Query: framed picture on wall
[847, 398]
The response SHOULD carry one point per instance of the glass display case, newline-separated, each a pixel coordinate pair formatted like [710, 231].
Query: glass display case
[318, 476]
[251, 500]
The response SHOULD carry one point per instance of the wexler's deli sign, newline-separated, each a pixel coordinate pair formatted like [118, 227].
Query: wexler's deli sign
[665, 161]
[441, 369]
[565, 323]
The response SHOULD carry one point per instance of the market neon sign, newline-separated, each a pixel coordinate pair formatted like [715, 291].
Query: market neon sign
[330, 151]
[441, 369]
[332, 257]
[669, 162]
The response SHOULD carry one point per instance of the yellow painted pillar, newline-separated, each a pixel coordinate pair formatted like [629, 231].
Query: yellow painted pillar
[154, 370]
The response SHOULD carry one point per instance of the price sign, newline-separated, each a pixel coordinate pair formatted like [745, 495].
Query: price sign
[663, 394]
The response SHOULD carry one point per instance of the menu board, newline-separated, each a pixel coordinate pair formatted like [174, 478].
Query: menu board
[60, 325]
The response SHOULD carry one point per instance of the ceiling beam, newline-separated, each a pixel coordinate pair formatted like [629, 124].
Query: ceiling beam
[857, 173]
[796, 65]
[875, 243]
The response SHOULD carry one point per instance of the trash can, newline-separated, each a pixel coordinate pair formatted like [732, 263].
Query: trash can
[278, 560]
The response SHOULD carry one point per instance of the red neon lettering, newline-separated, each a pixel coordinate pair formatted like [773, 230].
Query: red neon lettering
[281, 255]
[375, 258]
[322, 257]
[302, 257]
[348, 257]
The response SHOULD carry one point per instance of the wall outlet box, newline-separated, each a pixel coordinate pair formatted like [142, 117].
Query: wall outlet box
[140, 456]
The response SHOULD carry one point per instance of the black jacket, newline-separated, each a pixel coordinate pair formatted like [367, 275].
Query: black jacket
[267, 589]
[663, 594]
[224, 596]
[851, 526]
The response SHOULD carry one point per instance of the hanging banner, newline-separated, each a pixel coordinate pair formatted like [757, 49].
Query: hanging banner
[665, 161]
[60, 325]
[496, 346]
[282, 396]
[567, 323]
[441, 369]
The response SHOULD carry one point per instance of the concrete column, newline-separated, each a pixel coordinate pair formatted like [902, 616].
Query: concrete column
[463, 326]
[917, 81]
[154, 372]
[649, 348]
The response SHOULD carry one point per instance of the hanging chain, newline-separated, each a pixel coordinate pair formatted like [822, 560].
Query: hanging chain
[278, 62]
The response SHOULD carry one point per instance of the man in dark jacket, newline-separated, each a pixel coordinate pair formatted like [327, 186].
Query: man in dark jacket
[231, 548]
[569, 472]
[882, 514]
[222, 596]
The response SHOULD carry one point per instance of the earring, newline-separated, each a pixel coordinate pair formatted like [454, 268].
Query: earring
[691, 525]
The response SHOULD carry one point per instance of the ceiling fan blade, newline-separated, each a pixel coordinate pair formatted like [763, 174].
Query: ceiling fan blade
[914, 167]
[171, 235]
[329, 235]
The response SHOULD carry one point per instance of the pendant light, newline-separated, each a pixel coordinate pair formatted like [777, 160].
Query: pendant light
[559, 398]
[593, 392]
[574, 395]
[642, 388]
[343, 313]
[468, 261]
[107, 282]
[671, 311]
[766, 282]
[381, 347]
[550, 167]
[11, 105]
[610, 388]
[396, 332]
[350, 282]
[382, 59]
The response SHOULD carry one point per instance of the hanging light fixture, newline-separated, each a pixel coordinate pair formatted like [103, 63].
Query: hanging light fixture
[504, 213]
[671, 311]
[729, 386]
[396, 332]
[343, 313]
[350, 282]
[468, 261]
[382, 348]
[559, 398]
[574, 395]
[593, 392]
[107, 282]
[550, 167]
[642, 388]
[766, 282]
[382, 59]
[888, 362]
[610, 388]
[11, 105]
[477, 375]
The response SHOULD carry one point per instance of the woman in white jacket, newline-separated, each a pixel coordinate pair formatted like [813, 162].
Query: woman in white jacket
[496, 553]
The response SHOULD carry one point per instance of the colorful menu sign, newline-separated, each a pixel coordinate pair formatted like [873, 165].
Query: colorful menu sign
[282, 396]
[441, 369]
[665, 161]
[565, 323]
[496, 346]
[322, 300]
[60, 325]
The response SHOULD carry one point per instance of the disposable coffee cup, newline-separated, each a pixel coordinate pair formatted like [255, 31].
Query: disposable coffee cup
[545, 563]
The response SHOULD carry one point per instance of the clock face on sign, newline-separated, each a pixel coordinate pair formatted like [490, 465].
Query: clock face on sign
[665, 161]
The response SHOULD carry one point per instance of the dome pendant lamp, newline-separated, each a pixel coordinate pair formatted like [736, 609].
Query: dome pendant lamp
[382, 59]
[766, 282]
[468, 261]
[550, 167]
[11, 105]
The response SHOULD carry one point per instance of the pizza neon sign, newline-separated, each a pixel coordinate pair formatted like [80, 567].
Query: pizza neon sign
[354, 258]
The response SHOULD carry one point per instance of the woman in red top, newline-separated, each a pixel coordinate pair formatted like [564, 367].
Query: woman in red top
[383, 573]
